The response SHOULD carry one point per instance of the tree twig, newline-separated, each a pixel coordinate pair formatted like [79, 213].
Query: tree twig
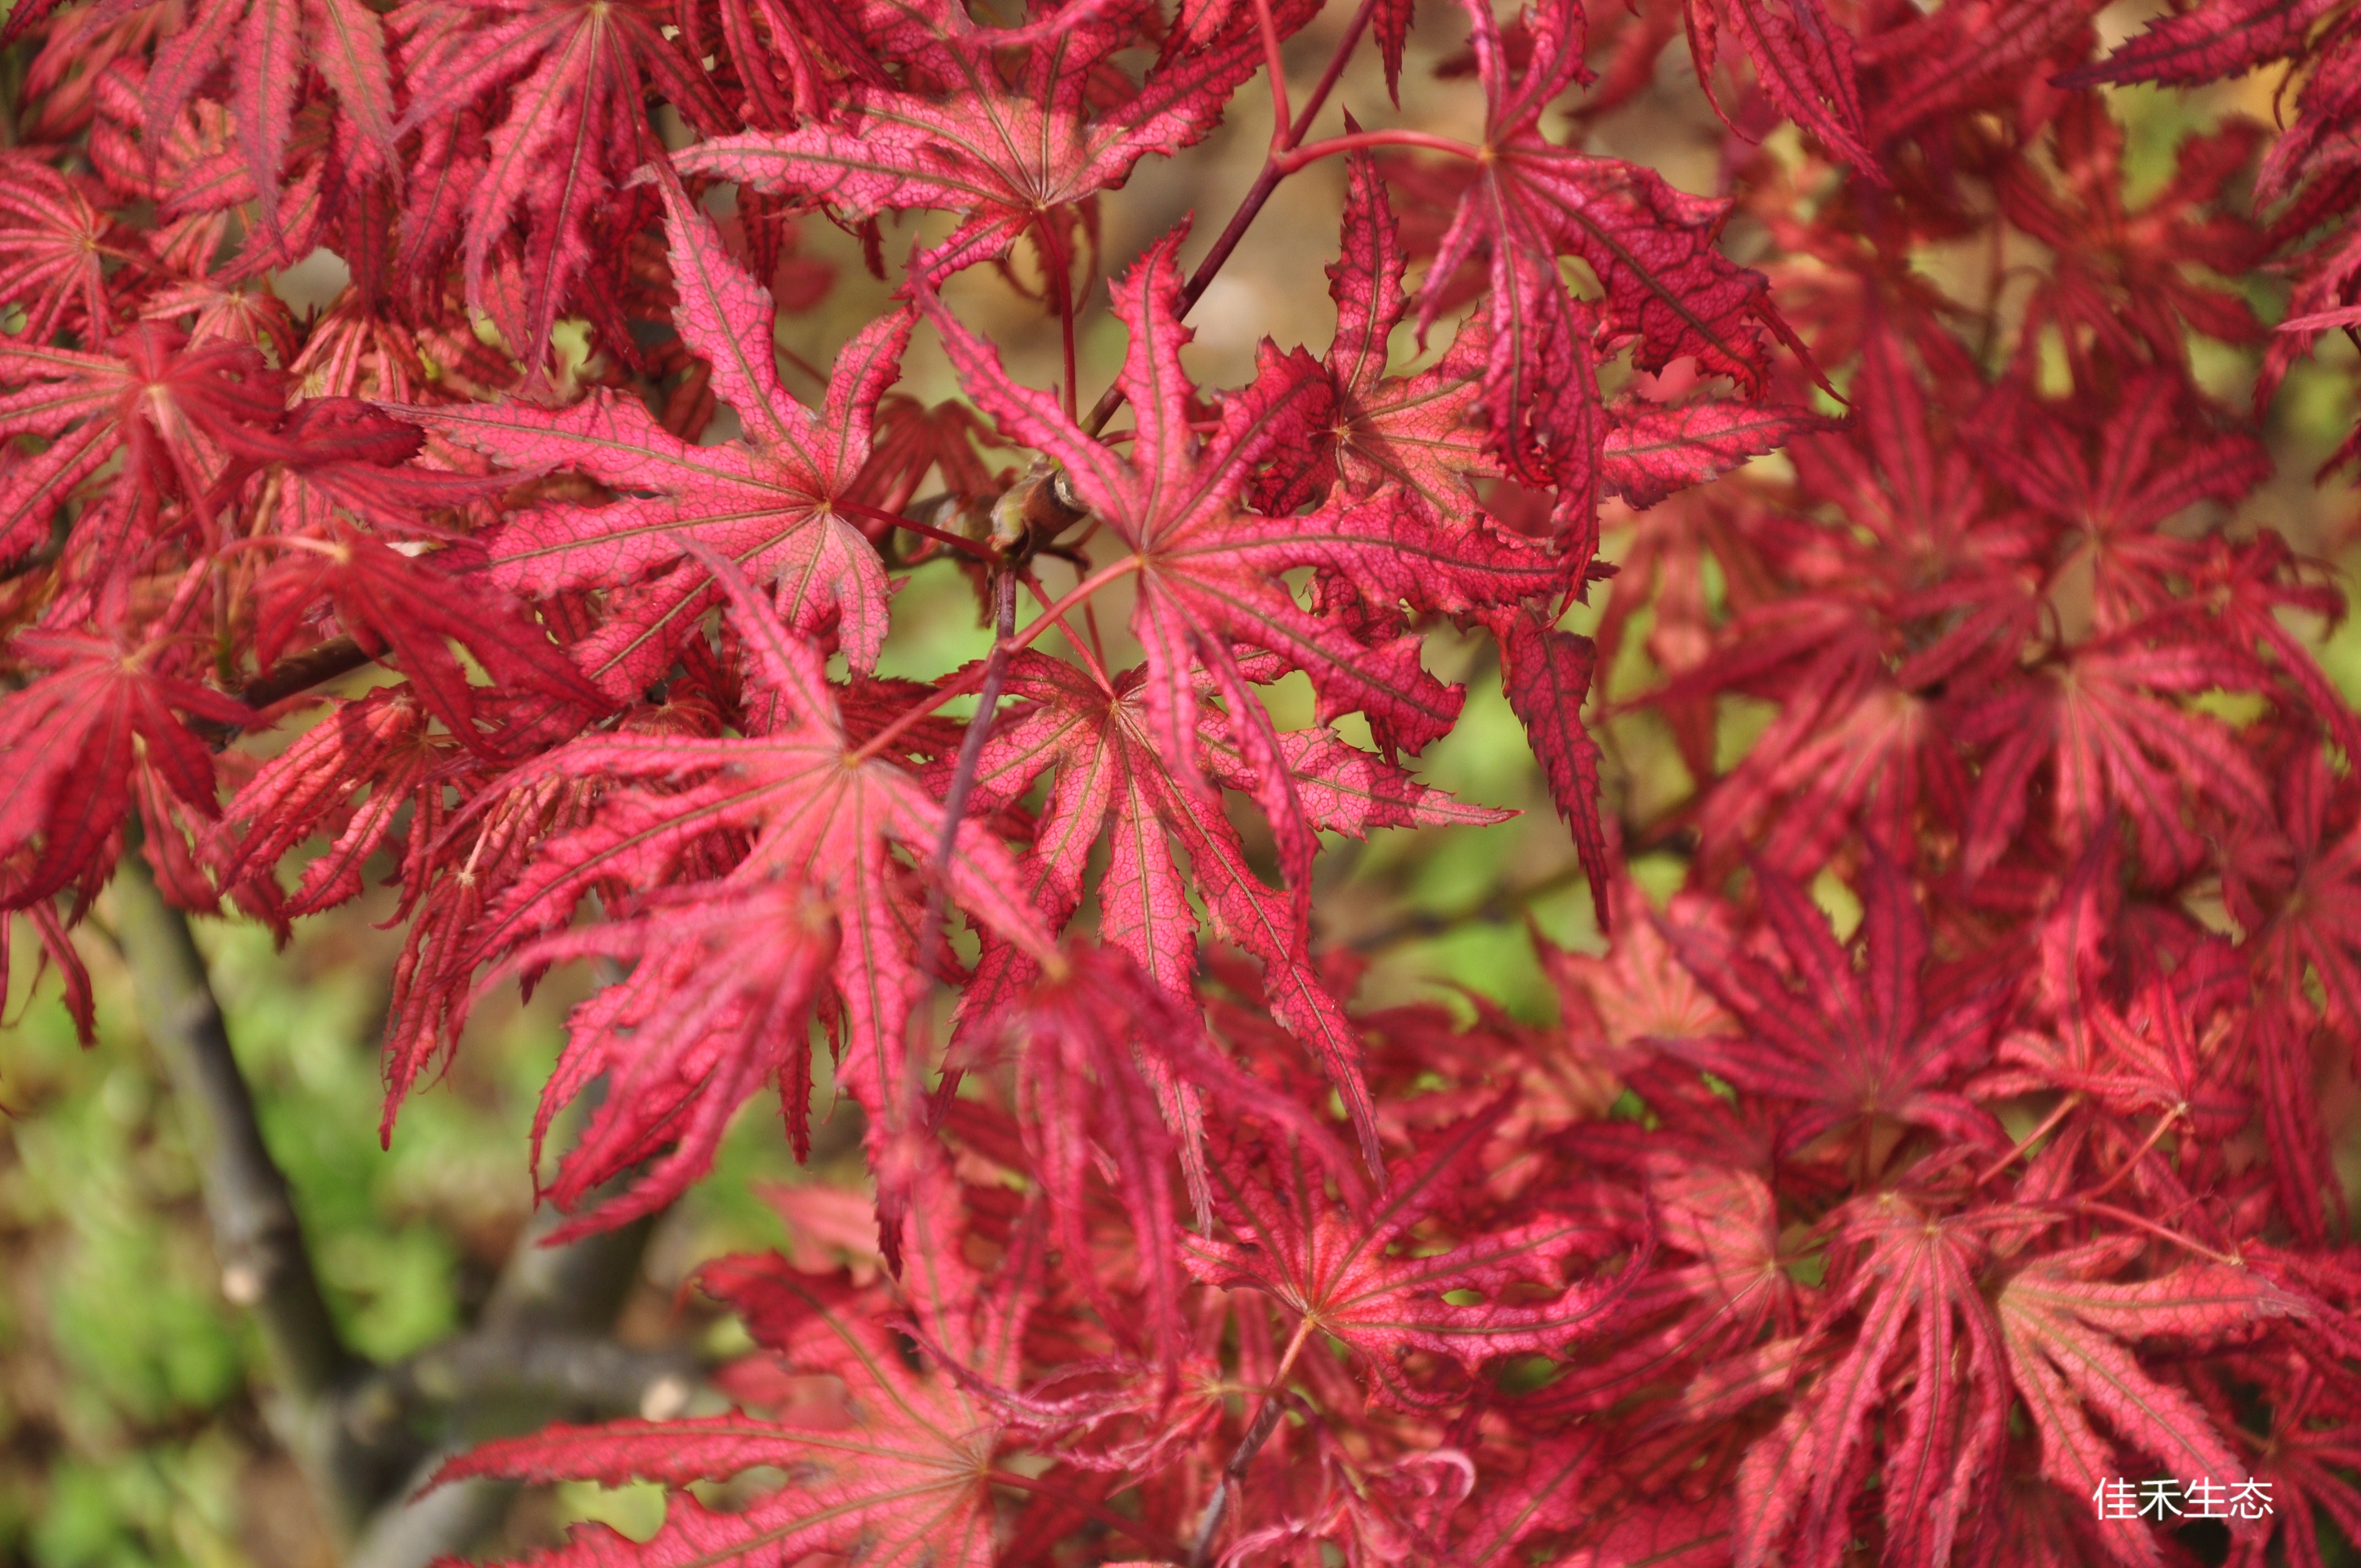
[265, 1264]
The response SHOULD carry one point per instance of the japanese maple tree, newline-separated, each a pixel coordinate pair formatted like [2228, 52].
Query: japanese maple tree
[1934, 1149]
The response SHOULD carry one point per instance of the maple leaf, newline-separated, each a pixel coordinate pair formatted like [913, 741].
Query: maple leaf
[1337, 1274]
[897, 1471]
[2315, 926]
[2211, 41]
[1093, 1087]
[272, 47]
[406, 606]
[1208, 573]
[2155, 456]
[768, 502]
[1419, 431]
[2104, 718]
[78, 743]
[2067, 1331]
[1803, 63]
[1855, 1041]
[1652, 450]
[1005, 148]
[721, 999]
[814, 807]
[172, 413]
[1112, 781]
[574, 74]
[1915, 1285]
[382, 742]
[2304, 1460]
[1546, 674]
[1651, 249]
[54, 246]
[2121, 278]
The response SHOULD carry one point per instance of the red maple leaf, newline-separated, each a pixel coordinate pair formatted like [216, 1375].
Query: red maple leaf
[814, 808]
[1112, 784]
[574, 76]
[1668, 290]
[54, 246]
[2068, 1332]
[2104, 716]
[1209, 573]
[1338, 1273]
[1926, 1341]
[1803, 63]
[382, 743]
[898, 1469]
[1420, 432]
[1008, 146]
[1849, 1038]
[77, 744]
[174, 414]
[767, 500]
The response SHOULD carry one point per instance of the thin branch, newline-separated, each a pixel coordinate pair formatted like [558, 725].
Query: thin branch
[1234, 1474]
[1251, 205]
[265, 1264]
[959, 685]
[930, 926]
[1361, 141]
[547, 1314]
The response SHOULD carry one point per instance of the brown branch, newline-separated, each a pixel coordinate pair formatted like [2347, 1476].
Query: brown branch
[1284, 140]
[538, 1352]
[258, 1240]
[368, 1438]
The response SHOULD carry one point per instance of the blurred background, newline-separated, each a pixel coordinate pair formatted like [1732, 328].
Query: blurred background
[130, 1430]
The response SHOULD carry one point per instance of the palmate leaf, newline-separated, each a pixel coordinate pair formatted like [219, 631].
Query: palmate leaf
[54, 246]
[176, 414]
[897, 1472]
[815, 811]
[1112, 784]
[1005, 147]
[2068, 1332]
[1422, 432]
[1209, 573]
[1803, 60]
[2109, 720]
[1926, 1342]
[271, 47]
[574, 75]
[382, 743]
[1336, 1272]
[78, 742]
[725, 982]
[1848, 1039]
[1668, 290]
[766, 501]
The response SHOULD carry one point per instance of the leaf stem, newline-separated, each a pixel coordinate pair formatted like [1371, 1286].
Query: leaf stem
[2048, 1124]
[1257, 1432]
[1089, 656]
[1055, 259]
[1282, 119]
[1356, 140]
[940, 536]
[961, 684]
[1251, 205]
[1104, 1515]
[2156, 1136]
[995, 670]
[2162, 1232]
